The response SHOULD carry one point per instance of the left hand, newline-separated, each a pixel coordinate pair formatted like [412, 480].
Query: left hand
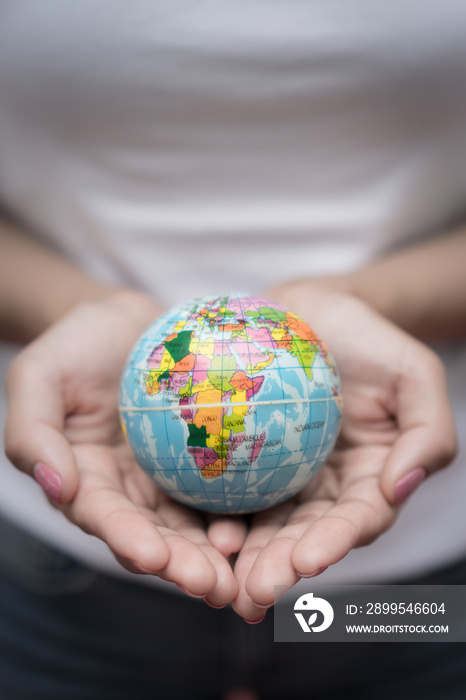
[397, 428]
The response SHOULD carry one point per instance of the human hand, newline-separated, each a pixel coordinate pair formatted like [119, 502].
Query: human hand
[397, 428]
[63, 427]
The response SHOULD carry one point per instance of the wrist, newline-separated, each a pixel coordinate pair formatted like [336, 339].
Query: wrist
[141, 307]
[372, 285]
[322, 302]
[38, 285]
[35, 313]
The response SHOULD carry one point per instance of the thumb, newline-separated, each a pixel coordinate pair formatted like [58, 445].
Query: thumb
[34, 439]
[427, 440]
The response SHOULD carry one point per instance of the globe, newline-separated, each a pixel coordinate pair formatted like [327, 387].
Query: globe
[230, 403]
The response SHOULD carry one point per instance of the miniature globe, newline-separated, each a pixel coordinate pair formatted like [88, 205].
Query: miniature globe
[230, 403]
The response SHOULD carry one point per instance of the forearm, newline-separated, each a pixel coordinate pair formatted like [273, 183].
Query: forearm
[37, 285]
[422, 288]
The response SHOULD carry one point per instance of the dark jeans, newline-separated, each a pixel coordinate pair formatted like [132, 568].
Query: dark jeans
[68, 633]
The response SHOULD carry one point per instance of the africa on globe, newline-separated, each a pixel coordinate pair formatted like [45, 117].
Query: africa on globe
[230, 403]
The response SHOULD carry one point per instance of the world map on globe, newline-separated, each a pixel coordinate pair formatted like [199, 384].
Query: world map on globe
[231, 403]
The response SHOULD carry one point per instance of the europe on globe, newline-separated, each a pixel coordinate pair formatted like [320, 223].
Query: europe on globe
[230, 403]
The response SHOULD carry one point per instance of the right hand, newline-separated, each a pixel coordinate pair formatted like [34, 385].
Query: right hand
[63, 428]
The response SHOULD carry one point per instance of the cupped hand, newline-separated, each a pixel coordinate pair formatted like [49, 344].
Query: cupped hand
[63, 428]
[397, 428]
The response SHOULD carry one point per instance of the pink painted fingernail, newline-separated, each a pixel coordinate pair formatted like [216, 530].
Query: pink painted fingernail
[408, 484]
[49, 480]
[317, 572]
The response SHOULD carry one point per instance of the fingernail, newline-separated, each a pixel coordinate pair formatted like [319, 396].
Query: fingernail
[265, 607]
[211, 605]
[408, 484]
[255, 622]
[49, 480]
[185, 590]
[141, 568]
[317, 572]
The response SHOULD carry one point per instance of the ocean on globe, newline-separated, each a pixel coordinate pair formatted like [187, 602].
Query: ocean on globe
[230, 403]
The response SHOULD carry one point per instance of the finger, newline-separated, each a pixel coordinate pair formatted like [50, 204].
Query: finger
[189, 567]
[226, 587]
[263, 527]
[149, 541]
[274, 567]
[357, 519]
[102, 510]
[217, 591]
[227, 534]
[144, 546]
[427, 440]
[34, 441]
[243, 604]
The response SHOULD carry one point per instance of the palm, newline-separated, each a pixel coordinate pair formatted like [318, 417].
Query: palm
[395, 420]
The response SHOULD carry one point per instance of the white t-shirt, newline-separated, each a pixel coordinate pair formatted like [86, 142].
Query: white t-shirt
[195, 147]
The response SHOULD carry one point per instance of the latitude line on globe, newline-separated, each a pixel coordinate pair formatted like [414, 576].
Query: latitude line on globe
[175, 407]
